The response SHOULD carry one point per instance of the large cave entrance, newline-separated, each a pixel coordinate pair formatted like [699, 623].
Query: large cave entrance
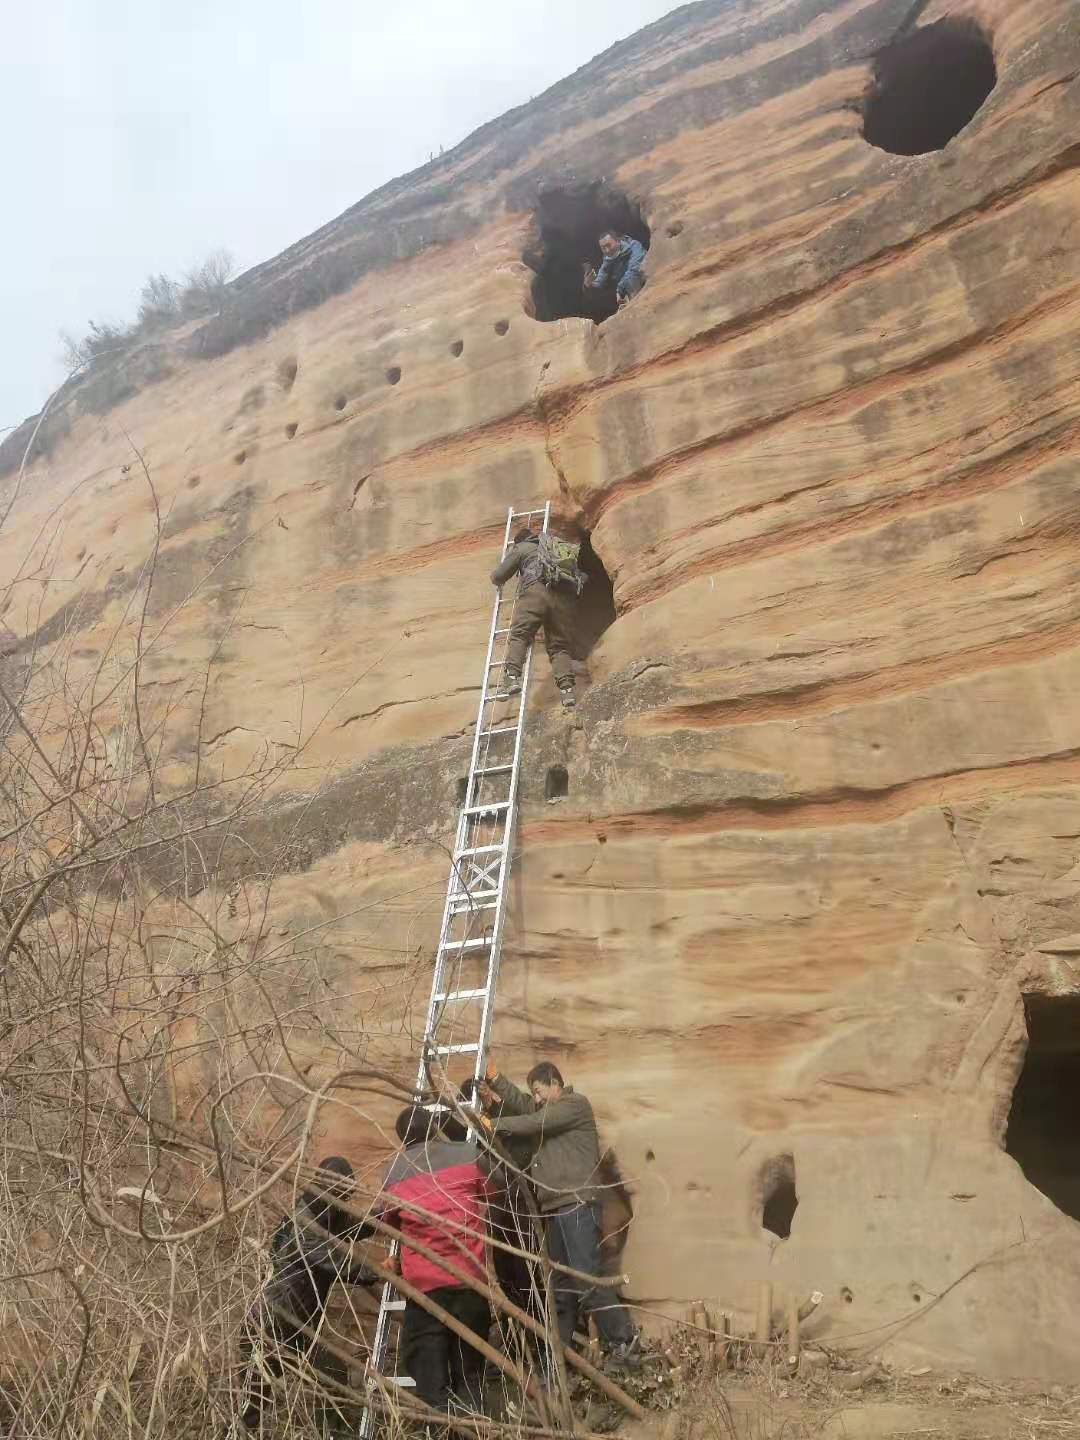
[569, 221]
[927, 86]
[1043, 1135]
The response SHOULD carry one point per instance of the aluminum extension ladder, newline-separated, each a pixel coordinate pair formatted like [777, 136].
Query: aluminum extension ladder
[470, 940]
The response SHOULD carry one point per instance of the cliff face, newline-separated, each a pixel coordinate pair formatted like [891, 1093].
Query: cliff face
[821, 833]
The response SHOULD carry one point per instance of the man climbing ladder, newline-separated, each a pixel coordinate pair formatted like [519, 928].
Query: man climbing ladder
[549, 588]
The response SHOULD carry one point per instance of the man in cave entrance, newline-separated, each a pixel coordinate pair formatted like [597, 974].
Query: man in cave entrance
[620, 268]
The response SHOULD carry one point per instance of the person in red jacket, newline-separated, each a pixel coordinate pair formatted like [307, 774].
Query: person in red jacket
[449, 1179]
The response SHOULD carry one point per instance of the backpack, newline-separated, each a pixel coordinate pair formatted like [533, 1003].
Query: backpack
[558, 561]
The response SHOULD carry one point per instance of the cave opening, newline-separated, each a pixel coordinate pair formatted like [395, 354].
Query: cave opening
[556, 783]
[568, 223]
[1043, 1136]
[779, 1197]
[927, 86]
[596, 607]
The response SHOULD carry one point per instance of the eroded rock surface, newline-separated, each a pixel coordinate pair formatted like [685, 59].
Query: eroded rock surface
[822, 826]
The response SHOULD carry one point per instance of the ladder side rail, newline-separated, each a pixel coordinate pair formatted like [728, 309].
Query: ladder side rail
[462, 828]
[495, 955]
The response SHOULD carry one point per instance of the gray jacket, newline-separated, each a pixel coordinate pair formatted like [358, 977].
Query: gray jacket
[523, 560]
[564, 1168]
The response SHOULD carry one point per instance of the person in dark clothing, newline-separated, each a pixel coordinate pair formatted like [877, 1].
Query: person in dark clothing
[620, 268]
[509, 1213]
[305, 1265]
[448, 1178]
[565, 1171]
[544, 599]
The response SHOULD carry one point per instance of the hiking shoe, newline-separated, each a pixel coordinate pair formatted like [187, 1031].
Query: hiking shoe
[511, 681]
[566, 695]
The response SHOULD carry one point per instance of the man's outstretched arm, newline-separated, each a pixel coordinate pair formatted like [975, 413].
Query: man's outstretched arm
[600, 277]
[507, 566]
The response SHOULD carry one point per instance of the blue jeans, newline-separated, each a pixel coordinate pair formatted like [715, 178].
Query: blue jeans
[573, 1238]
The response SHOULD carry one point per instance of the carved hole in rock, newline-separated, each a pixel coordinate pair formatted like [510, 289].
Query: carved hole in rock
[501, 327]
[778, 1197]
[650, 1154]
[556, 782]
[462, 788]
[194, 481]
[393, 375]
[596, 608]
[846, 1296]
[291, 429]
[340, 402]
[457, 348]
[675, 230]
[567, 225]
[286, 373]
[927, 87]
[240, 457]
[1042, 1136]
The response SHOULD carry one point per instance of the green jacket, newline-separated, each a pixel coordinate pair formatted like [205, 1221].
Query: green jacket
[564, 1168]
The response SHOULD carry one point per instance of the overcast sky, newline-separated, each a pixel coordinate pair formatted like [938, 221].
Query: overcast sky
[139, 135]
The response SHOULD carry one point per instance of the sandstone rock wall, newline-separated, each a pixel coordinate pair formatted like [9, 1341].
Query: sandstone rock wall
[824, 782]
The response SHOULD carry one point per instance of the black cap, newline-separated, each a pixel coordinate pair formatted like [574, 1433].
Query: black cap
[331, 1172]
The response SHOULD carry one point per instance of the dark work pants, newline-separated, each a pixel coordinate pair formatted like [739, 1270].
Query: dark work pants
[573, 1237]
[521, 1280]
[440, 1362]
[632, 285]
[555, 611]
[280, 1350]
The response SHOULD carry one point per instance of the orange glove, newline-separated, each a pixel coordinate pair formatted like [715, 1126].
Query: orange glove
[491, 1071]
[486, 1123]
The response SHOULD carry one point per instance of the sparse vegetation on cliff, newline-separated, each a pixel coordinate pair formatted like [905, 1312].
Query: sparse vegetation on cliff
[163, 302]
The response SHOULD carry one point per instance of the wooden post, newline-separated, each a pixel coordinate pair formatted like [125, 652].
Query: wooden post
[696, 1316]
[763, 1329]
[710, 1338]
[723, 1345]
[793, 1332]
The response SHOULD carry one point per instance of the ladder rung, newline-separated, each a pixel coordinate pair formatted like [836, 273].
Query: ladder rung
[487, 901]
[493, 769]
[486, 809]
[469, 1049]
[393, 1305]
[480, 944]
[503, 730]
[479, 850]
[503, 632]
[461, 995]
[406, 1382]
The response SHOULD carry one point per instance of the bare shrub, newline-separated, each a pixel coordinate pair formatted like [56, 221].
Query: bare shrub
[166, 1052]
[102, 338]
[204, 285]
[159, 302]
